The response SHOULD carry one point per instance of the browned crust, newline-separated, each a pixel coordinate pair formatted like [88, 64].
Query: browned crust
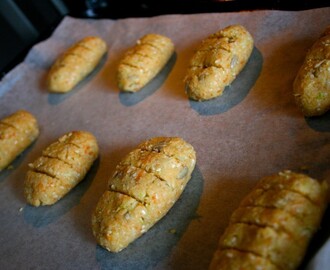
[17, 132]
[145, 185]
[62, 165]
[217, 62]
[75, 64]
[311, 88]
[274, 222]
[143, 62]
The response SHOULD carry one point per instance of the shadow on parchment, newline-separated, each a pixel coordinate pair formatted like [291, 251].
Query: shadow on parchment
[131, 99]
[157, 243]
[319, 123]
[236, 91]
[57, 98]
[43, 215]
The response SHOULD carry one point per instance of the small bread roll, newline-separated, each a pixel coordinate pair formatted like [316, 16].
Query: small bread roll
[17, 132]
[311, 88]
[75, 64]
[217, 62]
[62, 165]
[145, 185]
[273, 225]
[143, 62]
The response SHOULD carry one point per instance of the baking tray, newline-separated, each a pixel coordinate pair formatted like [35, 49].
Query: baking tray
[253, 130]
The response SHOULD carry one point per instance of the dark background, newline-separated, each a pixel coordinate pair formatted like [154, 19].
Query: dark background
[26, 22]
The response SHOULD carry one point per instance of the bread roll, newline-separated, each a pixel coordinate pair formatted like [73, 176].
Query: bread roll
[311, 88]
[75, 64]
[273, 225]
[143, 62]
[62, 165]
[17, 132]
[145, 185]
[217, 62]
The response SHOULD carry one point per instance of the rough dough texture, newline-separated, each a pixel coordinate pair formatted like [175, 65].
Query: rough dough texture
[311, 87]
[75, 64]
[62, 165]
[143, 62]
[17, 132]
[217, 62]
[232, 259]
[273, 225]
[145, 185]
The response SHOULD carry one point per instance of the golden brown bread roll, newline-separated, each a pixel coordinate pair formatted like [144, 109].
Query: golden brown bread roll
[217, 62]
[293, 203]
[75, 64]
[276, 218]
[273, 225]
[145, 185]
[62, 165]
[311, 87]
[17, 132]
[144, 61]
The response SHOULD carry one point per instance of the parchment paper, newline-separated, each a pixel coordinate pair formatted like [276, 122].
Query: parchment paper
[253, 130]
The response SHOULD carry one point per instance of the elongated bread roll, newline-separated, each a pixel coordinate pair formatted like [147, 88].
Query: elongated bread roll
[17, 132]
[75, 64]
[62, 165]
[273, 225]
[311, 87]
[217, 62]
[144, 61]
[145, 185]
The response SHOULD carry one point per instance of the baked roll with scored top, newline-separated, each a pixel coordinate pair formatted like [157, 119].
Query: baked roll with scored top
[217, 62]
[62, 165]
[17, 132]
[274, 224]
[75, 64]
[143, 62]
[311, 87]
[145, 185]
